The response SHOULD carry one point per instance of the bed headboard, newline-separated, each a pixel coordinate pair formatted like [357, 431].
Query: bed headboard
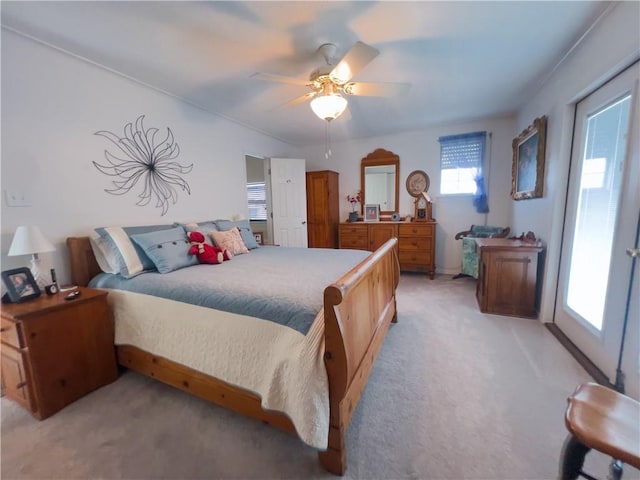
[83, 262]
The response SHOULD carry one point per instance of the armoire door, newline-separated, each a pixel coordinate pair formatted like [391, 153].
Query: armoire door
[322, 209]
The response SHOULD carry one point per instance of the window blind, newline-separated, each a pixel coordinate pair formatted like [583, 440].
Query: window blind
[462, 151]
[257, 196]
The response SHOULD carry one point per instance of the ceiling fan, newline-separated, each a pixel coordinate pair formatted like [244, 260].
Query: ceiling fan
[329, 82]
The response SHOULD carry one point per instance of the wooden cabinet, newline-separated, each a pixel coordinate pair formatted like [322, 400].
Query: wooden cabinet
[416, 241]
[323, 209]
[417, 247]
[56, 351]
[507, 276]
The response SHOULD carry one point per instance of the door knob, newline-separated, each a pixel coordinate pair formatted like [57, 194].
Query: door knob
[633, 252]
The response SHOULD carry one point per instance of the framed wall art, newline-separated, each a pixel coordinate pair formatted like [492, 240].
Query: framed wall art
[372, 213]
[20, 285]
[527, 170]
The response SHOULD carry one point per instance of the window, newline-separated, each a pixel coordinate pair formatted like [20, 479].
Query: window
[257, 195]
[461, 158]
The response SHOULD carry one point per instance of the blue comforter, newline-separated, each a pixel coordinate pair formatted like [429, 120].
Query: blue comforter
[284, 285]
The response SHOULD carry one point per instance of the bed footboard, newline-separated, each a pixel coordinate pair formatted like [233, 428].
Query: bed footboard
[358, 309]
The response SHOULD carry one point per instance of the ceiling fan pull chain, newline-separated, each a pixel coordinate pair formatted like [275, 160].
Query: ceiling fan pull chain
[326, 140]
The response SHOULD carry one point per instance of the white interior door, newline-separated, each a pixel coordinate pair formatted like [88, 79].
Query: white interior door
[597, 288]
[289, 202]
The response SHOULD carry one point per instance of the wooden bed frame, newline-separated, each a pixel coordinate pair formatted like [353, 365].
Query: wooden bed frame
[358, 309]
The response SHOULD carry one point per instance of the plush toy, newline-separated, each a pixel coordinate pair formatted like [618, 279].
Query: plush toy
[206, 253]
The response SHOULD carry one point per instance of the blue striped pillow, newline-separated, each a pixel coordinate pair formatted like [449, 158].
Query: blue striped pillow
[131, 258]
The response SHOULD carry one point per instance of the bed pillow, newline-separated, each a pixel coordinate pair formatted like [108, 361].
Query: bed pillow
[168, 249]
[131, 259]
[105, 256]
[245, 231]
[230, 240]
[205, 227]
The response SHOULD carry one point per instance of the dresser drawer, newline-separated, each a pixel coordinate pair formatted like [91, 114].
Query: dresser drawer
[415, 243]
[10, 333]
[354, 241]
[353, 230]
[414, 257]
[413, 229]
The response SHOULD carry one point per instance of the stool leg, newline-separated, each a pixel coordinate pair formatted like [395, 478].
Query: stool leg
[572, 458]
[615, 470]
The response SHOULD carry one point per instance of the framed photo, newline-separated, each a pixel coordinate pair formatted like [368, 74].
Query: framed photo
[372, 213]
[527, 170]
[20, 285]
[258, 237]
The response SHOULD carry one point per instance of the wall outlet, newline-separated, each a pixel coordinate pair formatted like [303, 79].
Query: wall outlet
[17, 198]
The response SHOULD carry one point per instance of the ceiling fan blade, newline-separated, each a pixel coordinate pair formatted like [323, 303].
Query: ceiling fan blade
[270, 77]
[302, 99]
[354, 61]
[376, 89]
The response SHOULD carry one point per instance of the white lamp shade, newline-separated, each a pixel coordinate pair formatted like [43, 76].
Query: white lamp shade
[29, 240]
[329, 107]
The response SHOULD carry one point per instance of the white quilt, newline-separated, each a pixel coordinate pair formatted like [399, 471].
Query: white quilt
[284, 367]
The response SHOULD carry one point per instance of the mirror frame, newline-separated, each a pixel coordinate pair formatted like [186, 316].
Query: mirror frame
[375, 159]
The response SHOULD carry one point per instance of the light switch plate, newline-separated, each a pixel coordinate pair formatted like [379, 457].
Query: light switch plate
[17, 198]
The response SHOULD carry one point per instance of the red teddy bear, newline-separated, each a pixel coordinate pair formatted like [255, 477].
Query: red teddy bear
[205, 252]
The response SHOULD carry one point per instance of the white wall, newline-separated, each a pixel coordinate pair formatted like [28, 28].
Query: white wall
[420, 150]
[610, 46]
[53, 103]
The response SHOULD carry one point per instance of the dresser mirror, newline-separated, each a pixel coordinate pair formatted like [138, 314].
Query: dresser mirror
[379, 172]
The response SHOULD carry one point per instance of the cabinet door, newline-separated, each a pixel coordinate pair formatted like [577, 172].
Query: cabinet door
[379, 233]
[511, 282]
[14, 378]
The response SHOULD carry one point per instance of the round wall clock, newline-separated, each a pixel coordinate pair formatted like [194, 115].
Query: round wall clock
[417, 182]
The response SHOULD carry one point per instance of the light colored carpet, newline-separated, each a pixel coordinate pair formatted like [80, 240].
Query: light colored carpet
[454, 394]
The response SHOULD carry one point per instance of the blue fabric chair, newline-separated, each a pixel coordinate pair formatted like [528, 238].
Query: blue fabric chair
[469, 254]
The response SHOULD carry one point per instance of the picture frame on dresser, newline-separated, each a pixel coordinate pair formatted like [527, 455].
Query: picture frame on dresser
[20, 285]
[372, 213]
[527, 169]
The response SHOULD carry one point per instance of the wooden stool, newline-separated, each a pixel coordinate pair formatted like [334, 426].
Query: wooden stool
[602, 419]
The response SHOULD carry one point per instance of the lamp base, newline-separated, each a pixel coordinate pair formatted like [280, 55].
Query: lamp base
[37, 272]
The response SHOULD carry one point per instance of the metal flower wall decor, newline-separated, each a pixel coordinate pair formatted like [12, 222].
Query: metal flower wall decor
[139, 157]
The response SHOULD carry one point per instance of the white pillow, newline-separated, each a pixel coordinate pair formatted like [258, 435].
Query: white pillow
[106, 258]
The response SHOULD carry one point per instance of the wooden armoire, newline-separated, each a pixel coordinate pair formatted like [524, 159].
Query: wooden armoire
[323, 209]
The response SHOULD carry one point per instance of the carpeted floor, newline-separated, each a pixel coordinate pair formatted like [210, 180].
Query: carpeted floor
[454, 394]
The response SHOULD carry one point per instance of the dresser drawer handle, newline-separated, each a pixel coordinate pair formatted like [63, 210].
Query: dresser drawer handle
[4, 329]
[21, 385]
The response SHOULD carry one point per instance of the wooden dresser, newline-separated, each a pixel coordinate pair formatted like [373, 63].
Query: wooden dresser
[507, 276]
[323, 209]
[55, 351]
[416, 241]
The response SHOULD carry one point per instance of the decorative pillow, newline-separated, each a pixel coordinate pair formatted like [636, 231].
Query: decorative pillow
[131, 259]
[168, 249]
[106, 258]
[245, 231]
[230, 240]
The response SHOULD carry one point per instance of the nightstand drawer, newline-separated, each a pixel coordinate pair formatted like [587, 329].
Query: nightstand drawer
[10, 333]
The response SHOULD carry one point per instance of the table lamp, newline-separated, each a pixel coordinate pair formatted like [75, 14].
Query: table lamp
[29, 240]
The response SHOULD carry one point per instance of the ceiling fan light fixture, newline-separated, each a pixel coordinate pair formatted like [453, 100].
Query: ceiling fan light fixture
[329, 107]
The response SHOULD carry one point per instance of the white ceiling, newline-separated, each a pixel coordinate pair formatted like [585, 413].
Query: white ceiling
[465, 60]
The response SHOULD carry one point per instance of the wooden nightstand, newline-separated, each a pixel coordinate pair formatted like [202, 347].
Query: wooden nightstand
[55, 351]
